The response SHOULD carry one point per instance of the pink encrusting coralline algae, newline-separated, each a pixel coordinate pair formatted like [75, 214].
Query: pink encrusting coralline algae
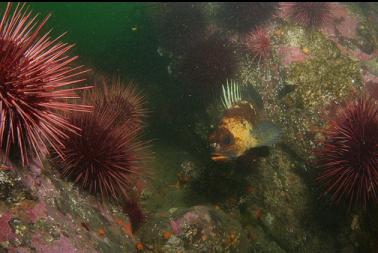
[62, 245]
[291, 54]
[188, 218]
[37, 212]
[343, 23]
[6, 232]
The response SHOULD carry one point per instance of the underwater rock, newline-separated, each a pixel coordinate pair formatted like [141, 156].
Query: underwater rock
[277, 206]
[321, 75]
[8, 190]
[209, 63]
[283, 205]
[245, 16]
[53, 216]
[290, 55]
[197, 229]
[188, 172]
[343, 24]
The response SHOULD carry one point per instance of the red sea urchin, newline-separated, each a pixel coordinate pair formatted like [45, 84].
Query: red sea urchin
[36, 79]
[259, 44]
[349, 155]
[103, 160]
[309, 14]
[124, 99]
[107, 158]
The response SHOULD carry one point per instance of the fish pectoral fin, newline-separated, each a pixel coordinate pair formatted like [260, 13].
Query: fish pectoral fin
[266, 134]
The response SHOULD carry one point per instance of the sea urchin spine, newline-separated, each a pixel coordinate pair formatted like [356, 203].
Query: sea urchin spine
[107, 158]
[102, 160]
[122, 98]
[36, 80]
[349, 155]
[259, 44]
[309, 14]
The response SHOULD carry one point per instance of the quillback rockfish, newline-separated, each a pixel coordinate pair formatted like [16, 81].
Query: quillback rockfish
[240, 128]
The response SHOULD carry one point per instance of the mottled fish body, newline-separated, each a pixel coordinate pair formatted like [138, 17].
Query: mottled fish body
[240, 129]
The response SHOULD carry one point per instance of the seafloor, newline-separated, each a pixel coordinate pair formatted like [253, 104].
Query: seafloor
[267, 203]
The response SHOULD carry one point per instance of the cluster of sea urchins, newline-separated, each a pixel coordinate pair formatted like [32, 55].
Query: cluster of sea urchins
[106, 158]
[36, 81]
[99, 150]
[349, 155]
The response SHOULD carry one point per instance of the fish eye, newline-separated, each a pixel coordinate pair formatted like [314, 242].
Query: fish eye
[227, 139]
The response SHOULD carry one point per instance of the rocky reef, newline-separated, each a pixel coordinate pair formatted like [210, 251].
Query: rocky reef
[266, 201]
[275, 196]
[42, 213]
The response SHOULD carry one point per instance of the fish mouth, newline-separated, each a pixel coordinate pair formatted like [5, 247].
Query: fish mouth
[219, 158]
[216, 155]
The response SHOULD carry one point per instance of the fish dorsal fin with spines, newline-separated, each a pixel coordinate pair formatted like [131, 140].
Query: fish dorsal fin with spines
[230, 94]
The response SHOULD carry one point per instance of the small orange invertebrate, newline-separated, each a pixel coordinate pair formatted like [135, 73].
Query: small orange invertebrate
[258, 214]
[139, 246]
[101, 232]
[167, 235]
[306, 50]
